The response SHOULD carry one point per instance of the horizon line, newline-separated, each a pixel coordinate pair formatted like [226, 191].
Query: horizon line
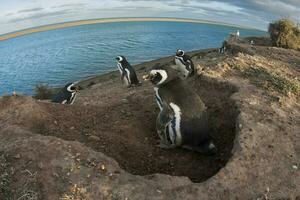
[69, 24]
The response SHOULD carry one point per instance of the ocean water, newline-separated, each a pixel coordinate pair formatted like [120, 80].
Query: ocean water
[60, 56]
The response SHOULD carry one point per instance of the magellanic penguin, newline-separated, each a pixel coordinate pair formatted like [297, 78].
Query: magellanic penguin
[127, 72]
[67, 95]
[222, 50]
[184, 64]
[183, 120]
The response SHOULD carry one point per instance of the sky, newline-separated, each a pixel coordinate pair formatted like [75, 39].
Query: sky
[21, 14]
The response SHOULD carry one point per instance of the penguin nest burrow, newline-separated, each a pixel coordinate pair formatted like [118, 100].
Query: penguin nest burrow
[123, 127]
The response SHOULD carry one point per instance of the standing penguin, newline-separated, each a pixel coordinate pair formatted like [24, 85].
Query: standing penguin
[222, 50]
[67, 95]
[183, 120]
[127, 72]
[184, 64]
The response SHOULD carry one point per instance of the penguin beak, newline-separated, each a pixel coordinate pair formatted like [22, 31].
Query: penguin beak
[147, 77]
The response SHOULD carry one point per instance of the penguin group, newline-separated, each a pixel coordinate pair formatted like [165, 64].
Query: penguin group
[182, 120]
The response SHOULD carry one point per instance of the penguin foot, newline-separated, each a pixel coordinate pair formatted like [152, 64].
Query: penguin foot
[207, 148]
[164, 146]
[138, 84]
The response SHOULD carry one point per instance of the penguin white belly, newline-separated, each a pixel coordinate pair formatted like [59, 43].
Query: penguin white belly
[181, 67]
[174, 132]
[73, 97]
[158, 98]
[128, 76]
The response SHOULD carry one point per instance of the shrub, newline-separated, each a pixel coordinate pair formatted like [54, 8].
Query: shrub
[284, 33]
[43, 92]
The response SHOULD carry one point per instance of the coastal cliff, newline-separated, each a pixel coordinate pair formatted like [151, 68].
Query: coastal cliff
[104, 146]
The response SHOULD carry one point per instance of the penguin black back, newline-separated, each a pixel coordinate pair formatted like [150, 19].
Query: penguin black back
[66, 95]
[128, 74]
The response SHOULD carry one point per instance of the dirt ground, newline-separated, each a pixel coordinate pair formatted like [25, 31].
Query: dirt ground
[104, 146]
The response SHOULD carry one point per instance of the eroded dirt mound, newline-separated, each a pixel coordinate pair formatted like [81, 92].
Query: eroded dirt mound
[124, 128]
[99, 147]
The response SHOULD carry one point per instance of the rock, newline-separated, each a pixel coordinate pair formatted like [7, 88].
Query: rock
[18, 156]
[94, 138]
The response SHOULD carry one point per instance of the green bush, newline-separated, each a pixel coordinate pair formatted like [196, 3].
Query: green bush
[284, 33]
[43, 92]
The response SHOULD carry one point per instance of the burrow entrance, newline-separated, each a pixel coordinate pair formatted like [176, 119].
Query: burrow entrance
[124, 129]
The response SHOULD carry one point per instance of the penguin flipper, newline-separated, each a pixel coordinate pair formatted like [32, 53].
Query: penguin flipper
[163, 120]
[166, 114]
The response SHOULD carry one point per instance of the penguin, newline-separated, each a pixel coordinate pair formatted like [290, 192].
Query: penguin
[67, 95]
[183, 119]
[184, 64]
[127, 72]
[222, 50]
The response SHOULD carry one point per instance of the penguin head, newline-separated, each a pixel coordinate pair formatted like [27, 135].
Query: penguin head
[121, 59]
[161, 75]
[179, 53]
[70, 87]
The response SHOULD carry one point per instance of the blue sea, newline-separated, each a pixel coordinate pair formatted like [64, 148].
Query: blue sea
[65, 55]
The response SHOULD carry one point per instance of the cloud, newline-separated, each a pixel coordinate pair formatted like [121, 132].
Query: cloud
[30, 10]
[256, 13]
[70, 5]
[39, 15]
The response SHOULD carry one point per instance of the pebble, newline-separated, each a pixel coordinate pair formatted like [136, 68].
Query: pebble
[295, 167]
[95, 138]
[18, 156]
[40, 165]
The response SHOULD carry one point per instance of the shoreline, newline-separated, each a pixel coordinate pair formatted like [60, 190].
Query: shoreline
[98, 78]
[112, 20]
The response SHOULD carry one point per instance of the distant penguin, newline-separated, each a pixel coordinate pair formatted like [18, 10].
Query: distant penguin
[184, 64]
[182, 121]
[127, 72]
[237, 33]
[222, 50]
[67, 95]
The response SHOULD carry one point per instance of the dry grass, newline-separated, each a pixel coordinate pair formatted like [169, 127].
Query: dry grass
[43, 92]
[272, 81]
[75, 193]
[269, 75]
[284, 33]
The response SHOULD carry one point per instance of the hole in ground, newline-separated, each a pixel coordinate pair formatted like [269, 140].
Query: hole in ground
[126, 131]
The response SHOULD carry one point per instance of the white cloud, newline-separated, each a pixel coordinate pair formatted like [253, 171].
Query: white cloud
[20, 14]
